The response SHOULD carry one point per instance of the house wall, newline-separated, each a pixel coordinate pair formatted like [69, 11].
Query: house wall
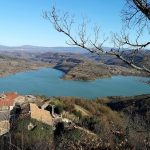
[3, 108]
[40, 115]
[4, 127]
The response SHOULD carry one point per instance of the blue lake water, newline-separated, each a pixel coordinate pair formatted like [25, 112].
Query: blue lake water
[47, 82]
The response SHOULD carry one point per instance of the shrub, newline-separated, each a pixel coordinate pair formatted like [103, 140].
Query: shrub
[59, 108]
[90, 122]
[77, 113]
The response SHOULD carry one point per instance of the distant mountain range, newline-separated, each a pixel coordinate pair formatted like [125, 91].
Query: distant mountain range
[30, 48]
[40, 52]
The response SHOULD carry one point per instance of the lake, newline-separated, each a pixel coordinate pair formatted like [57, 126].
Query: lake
[46, 81]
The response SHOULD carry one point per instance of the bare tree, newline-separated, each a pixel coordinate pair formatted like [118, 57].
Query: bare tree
[64, 24]
[135, 15]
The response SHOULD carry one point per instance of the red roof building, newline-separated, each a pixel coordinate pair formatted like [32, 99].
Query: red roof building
[8, 99]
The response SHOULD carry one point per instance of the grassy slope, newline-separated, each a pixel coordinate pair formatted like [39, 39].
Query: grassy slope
[99, 125]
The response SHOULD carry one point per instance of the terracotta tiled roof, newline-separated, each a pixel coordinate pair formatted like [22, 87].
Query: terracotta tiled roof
[8, 100]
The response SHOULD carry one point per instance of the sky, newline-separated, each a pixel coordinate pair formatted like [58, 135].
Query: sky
[22, 21]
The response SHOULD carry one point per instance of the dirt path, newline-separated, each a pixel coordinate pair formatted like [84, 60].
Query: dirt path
[82, 110]
[85, 130]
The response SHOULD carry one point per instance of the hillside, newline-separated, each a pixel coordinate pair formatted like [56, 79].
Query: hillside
[9, 65]
[78, 66]
[106, 123]
[141, 58]
[136, 108]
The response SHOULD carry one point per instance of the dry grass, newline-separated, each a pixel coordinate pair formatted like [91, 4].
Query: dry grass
[83, 111]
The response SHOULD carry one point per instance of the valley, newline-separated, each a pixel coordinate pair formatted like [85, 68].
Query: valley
[75, 75]
[53, 108]
[76, 66]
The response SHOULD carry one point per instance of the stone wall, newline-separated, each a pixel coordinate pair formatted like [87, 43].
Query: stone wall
[4, 127]
[40, 115]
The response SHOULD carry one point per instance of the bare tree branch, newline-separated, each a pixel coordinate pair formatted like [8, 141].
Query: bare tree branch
[64, 25]
[143, 6]
[136, 14]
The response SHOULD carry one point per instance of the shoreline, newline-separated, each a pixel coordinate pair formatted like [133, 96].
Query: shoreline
[18, 66]
[64, 74]
[21, 71]
[67, 76]
[97, 92]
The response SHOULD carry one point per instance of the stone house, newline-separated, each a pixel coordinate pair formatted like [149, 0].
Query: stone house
[41, 115]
